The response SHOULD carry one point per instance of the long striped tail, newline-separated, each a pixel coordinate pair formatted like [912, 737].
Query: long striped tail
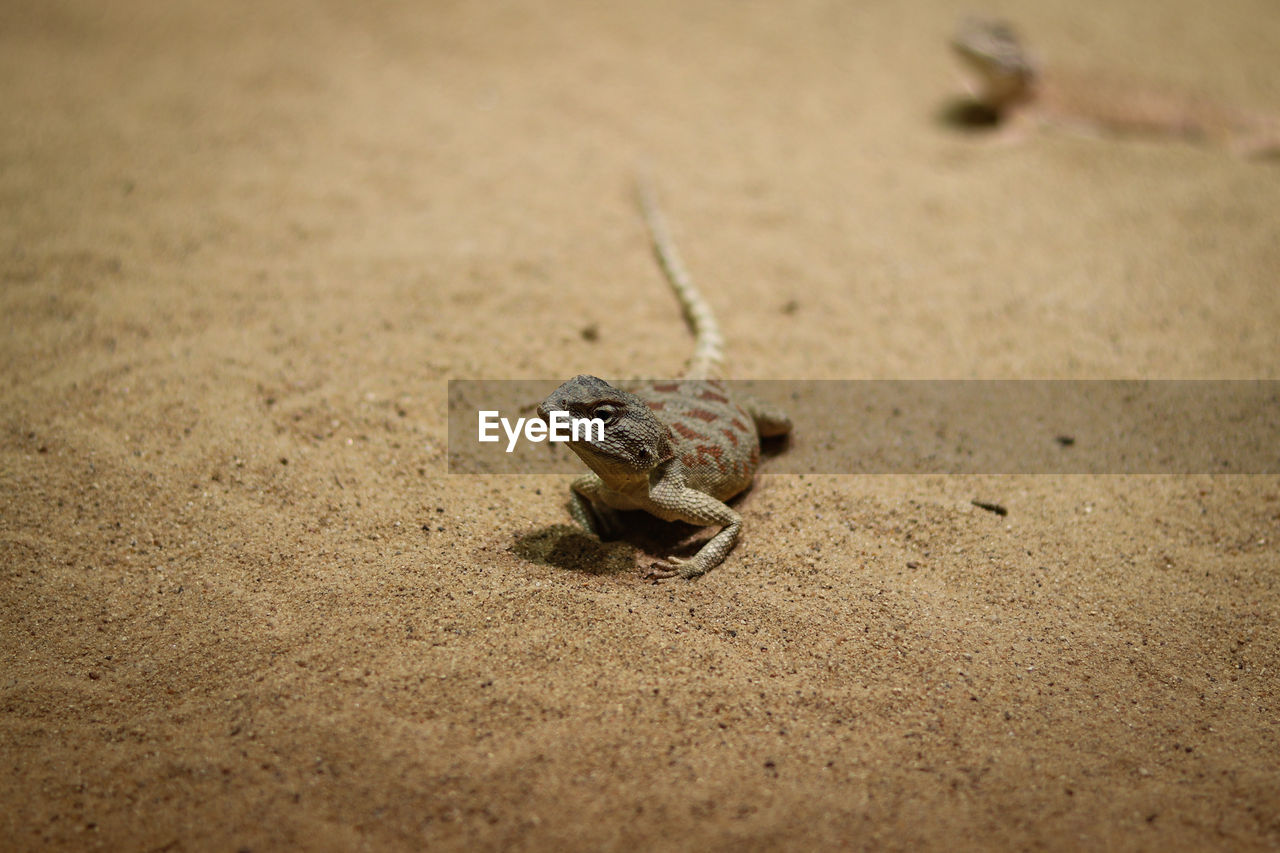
[708, 345]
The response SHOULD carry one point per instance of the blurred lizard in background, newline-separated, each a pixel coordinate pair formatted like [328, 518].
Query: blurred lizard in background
[1016, 91]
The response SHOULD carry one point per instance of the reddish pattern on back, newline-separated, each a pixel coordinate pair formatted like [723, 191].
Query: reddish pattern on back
[685, 430]
[712, 396]
[714, 438]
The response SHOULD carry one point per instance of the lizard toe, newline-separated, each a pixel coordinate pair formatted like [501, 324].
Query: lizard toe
[676, 567]
[666, 569]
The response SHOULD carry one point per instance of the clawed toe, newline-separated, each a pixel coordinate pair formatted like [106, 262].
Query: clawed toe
[672, 567]
[662, 571]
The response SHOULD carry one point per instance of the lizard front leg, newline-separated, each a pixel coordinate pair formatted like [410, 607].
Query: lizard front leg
[680, 503]
[588, 508]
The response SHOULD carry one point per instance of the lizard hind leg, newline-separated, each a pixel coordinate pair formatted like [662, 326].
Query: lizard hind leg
[770, 421]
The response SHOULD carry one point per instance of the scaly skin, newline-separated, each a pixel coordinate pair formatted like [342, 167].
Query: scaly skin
[1019, 92]
[676, 449]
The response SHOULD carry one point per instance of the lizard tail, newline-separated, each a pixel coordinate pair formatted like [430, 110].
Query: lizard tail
[708, 345]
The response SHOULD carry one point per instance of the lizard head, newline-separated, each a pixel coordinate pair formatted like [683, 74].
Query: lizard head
[634, 442]
[1005, 74]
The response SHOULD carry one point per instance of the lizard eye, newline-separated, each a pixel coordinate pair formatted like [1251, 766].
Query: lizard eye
[606, 412]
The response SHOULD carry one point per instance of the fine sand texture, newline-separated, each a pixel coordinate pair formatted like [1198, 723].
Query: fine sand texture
[245, 245]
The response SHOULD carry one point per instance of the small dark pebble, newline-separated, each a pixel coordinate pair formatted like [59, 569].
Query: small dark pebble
[1065, 440]
[590, 333]
[990, 507]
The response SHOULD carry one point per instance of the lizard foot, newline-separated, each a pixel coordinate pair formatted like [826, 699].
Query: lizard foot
[674, 567]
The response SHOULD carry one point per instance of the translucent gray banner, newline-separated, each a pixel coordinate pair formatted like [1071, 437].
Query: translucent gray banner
[939, 426]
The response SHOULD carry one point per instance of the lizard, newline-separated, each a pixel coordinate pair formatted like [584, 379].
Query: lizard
[677, 449]
[1013, 87]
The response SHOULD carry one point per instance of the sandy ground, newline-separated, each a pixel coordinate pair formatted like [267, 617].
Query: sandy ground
[245, 245]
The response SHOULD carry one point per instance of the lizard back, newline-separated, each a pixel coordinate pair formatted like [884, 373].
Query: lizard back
[714, 437]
